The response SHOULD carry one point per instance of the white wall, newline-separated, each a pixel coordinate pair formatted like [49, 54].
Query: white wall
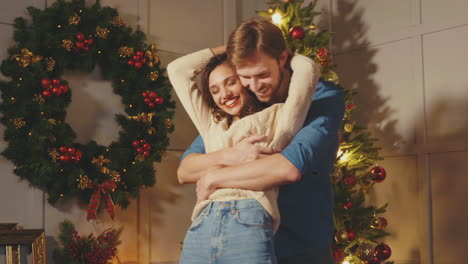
[406, 58]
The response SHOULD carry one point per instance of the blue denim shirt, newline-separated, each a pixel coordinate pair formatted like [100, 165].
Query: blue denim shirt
[306, 206]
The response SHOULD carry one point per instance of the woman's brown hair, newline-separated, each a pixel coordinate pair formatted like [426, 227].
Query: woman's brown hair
[252, 104]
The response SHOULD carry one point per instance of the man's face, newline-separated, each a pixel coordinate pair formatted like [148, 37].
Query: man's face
[261, 74]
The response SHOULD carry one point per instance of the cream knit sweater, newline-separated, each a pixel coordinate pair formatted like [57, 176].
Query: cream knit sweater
[279, 122]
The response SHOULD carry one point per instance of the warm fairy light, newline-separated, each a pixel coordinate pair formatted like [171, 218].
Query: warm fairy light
[339, 153]
[276, 17]
[344, 157]
[346, 262]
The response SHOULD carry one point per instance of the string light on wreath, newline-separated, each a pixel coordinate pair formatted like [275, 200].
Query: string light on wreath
[153, 76]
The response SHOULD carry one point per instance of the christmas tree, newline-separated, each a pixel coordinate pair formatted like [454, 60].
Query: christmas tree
[359, 227]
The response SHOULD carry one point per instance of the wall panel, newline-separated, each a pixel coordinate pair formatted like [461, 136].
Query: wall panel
[449, 185]
[446, 85]
[388, 95]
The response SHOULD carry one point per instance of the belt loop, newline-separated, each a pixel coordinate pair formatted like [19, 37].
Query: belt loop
[234, 207]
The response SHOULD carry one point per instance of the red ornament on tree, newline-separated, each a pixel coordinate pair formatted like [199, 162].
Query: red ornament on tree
[348, 205]
[382, 252]
[351, 235]
[374, 260]
[350, 180]
[297, 32]
[378, 174]
[338, 254]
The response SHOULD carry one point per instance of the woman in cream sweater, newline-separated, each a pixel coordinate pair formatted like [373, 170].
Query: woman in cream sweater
[233, 225]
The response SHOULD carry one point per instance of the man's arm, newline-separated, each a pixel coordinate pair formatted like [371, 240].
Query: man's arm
[196, 163]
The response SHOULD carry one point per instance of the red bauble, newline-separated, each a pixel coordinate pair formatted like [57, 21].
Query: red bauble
[139, 150]
[131, 63]
[374, 260]
[56, 82]
[144, 94]
[159, 100]
[143, 60]
[338, 254]
[146, 146]
[139, 53]
[382, 252]
[78, 154]
[64, 88]
[297, 32]
[382, 223]
[79, 45]
[351, 235]
[151, 105]
[86, 48]
[71, 150]
[89, 41]
[143, 141]
[153, 94]
[146, 153]
[45, 83]
[378, 174]
[136, 58]
[147, 100]
[80, 36]
[347, 205]
[64, 158]
[46, 93]
[350, 180]
[138, 64]
[56, 91]
[63, 149]
[136, 143]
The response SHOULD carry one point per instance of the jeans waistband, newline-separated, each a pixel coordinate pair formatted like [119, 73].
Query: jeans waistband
[233, 204]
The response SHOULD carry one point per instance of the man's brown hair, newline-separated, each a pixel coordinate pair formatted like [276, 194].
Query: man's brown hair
[255, 35]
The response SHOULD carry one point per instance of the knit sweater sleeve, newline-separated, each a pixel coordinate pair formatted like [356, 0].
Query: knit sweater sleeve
[182, 73]
[304, 79]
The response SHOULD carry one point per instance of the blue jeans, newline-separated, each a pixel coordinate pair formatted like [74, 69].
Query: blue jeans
[230, 232]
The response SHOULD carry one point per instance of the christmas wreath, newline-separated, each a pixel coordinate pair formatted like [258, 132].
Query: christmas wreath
[71, 36]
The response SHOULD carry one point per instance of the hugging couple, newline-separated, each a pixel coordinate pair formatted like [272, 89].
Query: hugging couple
[268, 139]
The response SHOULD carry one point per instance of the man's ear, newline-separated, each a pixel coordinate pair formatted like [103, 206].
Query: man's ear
[284, 58]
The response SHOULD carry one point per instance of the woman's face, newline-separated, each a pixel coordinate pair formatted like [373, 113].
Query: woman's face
[227, 90]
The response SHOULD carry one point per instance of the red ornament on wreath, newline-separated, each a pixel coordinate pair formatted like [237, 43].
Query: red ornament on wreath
[71, 154]
[297, 32]
[137, 60]
[142, 147]
[382, 252]
[82, 43]
[378, 174]
[53, 87]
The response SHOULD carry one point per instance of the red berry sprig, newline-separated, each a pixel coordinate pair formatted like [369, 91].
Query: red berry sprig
[142, 147]
[71, 154]
[82, 43]
[53, 87]
[137, 60]
[152, 99]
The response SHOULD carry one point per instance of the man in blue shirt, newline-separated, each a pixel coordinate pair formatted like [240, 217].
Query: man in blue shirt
[305, 201]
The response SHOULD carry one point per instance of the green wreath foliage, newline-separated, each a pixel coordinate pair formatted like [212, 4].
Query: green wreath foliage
[40, 142]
